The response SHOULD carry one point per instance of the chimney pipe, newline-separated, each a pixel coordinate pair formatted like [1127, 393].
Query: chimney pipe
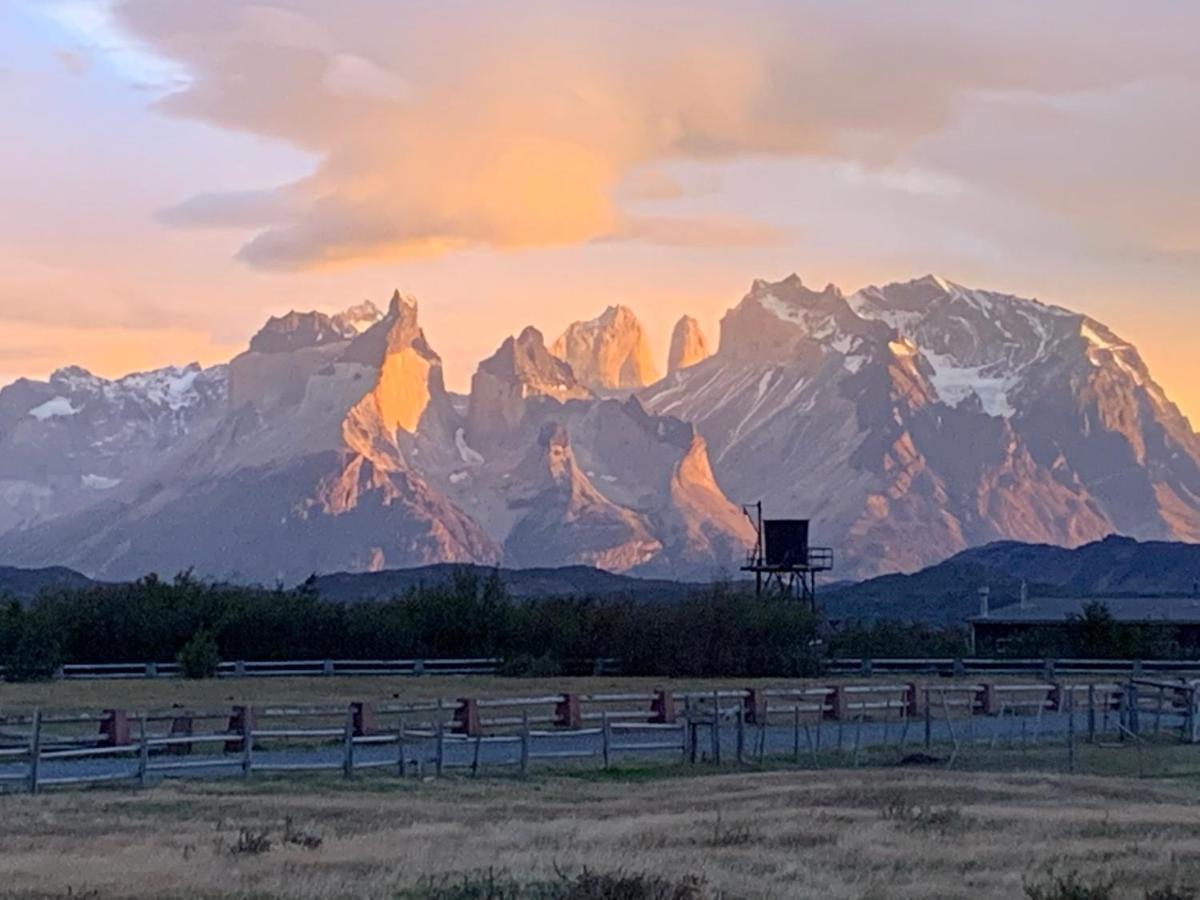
[985, 595]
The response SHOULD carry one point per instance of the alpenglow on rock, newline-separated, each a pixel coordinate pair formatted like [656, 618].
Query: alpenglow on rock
[609, 352]
[917, 419]
[910, 421]
[688, 346]
[341, 450]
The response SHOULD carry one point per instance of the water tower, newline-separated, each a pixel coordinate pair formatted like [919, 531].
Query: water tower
[782, 559]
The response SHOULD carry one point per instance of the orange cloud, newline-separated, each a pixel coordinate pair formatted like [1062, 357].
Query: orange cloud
[438, 126]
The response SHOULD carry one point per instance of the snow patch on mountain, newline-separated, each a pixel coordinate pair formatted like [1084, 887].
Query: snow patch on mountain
[955, 383]
[819, 325]
[466, 453]
[99, 482]
[53, 409]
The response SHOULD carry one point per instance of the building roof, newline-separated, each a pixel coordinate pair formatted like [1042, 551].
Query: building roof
[1053, 610]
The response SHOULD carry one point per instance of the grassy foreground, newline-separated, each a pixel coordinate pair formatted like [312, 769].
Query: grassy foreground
[829, 834]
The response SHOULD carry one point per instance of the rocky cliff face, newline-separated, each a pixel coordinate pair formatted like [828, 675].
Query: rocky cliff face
[343, 451]
[918, 419]
[688, 346]
[910, 421]
[609, 352]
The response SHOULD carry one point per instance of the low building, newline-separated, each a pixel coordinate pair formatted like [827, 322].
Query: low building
[993, 630]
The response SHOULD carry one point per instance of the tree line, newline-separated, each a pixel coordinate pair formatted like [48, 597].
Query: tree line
[721, 630]
[718, 630]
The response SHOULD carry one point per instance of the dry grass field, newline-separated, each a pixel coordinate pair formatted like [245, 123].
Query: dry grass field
[830, 834]
[163, 692]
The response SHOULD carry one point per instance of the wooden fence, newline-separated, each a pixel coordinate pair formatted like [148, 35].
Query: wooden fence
[944, 666]
[410, 738]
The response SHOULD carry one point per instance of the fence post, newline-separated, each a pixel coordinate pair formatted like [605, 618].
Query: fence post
[762, 731]
[928, 721]
[605, 737]
[716, 729]
[525, 742]
[662, 707]
[143, 750]
[796, 733]
[35, 750]
[1134, 725]
[691, 731]
[401, 762]
[348, 744]
[1091, 719]
[247, 740]
[327, 667]
[439, 758]
[741, 734]
[1070, 698]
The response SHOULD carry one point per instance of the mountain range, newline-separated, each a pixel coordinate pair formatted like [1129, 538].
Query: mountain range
[910, 422]
[947, 593]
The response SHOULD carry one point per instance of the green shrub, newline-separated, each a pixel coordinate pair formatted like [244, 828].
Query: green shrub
[199, 657]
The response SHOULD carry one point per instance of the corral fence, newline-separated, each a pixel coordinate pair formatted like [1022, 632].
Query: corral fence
[318, 667]
[958, 667]
[954, 667]
[819, 725]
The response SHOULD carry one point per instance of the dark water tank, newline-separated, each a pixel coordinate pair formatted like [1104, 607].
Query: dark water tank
[786, 542]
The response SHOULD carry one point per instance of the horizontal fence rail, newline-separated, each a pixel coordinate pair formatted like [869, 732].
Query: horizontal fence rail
[42, 749]
[944, 666]
[963, 666]
[313, 667]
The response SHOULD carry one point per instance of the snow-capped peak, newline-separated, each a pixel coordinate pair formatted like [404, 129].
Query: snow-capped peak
[172, 388]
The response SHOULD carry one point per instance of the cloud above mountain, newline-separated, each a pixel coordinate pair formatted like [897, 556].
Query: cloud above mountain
[441, 126]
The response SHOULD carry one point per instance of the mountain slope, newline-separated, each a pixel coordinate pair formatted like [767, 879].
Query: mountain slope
[342, 450]
[26, 584]
[948, 592]
[67, 442]
[916, 420]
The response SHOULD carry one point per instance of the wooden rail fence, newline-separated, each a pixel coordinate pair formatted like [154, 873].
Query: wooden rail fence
[115, 745]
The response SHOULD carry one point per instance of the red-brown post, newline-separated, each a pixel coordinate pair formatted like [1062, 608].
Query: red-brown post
[754, 703]
[568, 712]
[662, 707]
[240, 718]
[363, 718]
[990, 699]
[913, 696]
[839, 702]
[1055, 696]
[114, 728]
[466, 717]
[181, 726]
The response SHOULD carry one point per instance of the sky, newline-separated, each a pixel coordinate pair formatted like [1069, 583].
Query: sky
[172, 172]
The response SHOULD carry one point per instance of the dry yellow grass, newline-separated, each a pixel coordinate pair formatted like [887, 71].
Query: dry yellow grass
[825, 834]
[162, 693]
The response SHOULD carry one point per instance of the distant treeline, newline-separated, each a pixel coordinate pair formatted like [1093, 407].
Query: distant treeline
[717, 631]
